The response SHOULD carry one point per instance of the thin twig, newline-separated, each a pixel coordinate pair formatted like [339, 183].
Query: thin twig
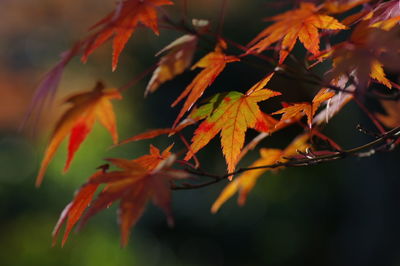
[360, 152]
[370, 115]
[138, 78]
[187, 145]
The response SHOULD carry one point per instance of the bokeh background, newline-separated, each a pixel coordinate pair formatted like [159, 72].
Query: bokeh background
[340, 213]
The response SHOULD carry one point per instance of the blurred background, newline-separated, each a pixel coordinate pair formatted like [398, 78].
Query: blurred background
[340, 213]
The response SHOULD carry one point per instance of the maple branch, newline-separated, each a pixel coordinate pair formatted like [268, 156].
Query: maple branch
[138, 78]
[252, 144]
[324, 137]
[371, 116]
[187, 145]
[291, 72]
[362, 151]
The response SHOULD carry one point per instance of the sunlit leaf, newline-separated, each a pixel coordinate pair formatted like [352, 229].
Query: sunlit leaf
[231, 114]
[122, 23]
[213, 64]
[302, 24]
[78, 120]
[298, 110]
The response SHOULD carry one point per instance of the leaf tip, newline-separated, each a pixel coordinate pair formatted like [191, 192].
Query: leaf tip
[214, 208]
[40, 176]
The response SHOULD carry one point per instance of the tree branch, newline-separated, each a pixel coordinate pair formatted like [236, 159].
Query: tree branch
[378, 145]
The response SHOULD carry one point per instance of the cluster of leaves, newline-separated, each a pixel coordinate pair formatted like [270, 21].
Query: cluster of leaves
[371, 48]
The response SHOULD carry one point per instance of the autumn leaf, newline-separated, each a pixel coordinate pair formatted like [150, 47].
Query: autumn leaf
[392, 117]
[194, 116]
[340, 6]
[78, 121]
[302, 24]
[47, 88]
[73, 211]
[298, 110]
[122, 23]
[178, 57]
[138, 181]
[213, 64]
[231, 114]
[244, 183]
[337, 102]
[150, 134]
[364, 55]
[386, 15]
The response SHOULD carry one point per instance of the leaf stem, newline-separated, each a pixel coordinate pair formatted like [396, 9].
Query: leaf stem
[362, 151]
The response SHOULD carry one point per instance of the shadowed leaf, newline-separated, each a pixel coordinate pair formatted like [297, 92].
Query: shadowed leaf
[244, 183]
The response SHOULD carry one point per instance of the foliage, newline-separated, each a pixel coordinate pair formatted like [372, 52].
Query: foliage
[360, 42]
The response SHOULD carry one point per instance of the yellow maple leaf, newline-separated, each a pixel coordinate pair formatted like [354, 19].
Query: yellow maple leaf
[213, 64]
[235, 112]
[178, 57]
[297, 110]
[244, 183]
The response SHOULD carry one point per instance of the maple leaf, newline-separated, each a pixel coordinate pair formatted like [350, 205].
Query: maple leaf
[244, 183]
[364, 55]
[302, 23]
[213, 64]
[337, 102]
[74, 210]
[392, 117]
[340, 6]
[122, 23]
[49, 84]
[178, 57]
[386, 15]
[78, 121]
[150, 134]
[298, 110]
[231, 114]
[140, 180]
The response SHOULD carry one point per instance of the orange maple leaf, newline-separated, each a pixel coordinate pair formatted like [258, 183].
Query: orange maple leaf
[233, 114]
[340, 6]
[138, 181]
[364, 55]
[178, 57]
[337, 102]
[78, 121]
[74, 210]
[392, 117]
[246, 181]
[386, 15]
[302, 23]
[150, 134]
[298, 110]
[213, 64]
[122, 23]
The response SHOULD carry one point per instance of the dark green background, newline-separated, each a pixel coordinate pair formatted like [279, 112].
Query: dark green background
[340, 213]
